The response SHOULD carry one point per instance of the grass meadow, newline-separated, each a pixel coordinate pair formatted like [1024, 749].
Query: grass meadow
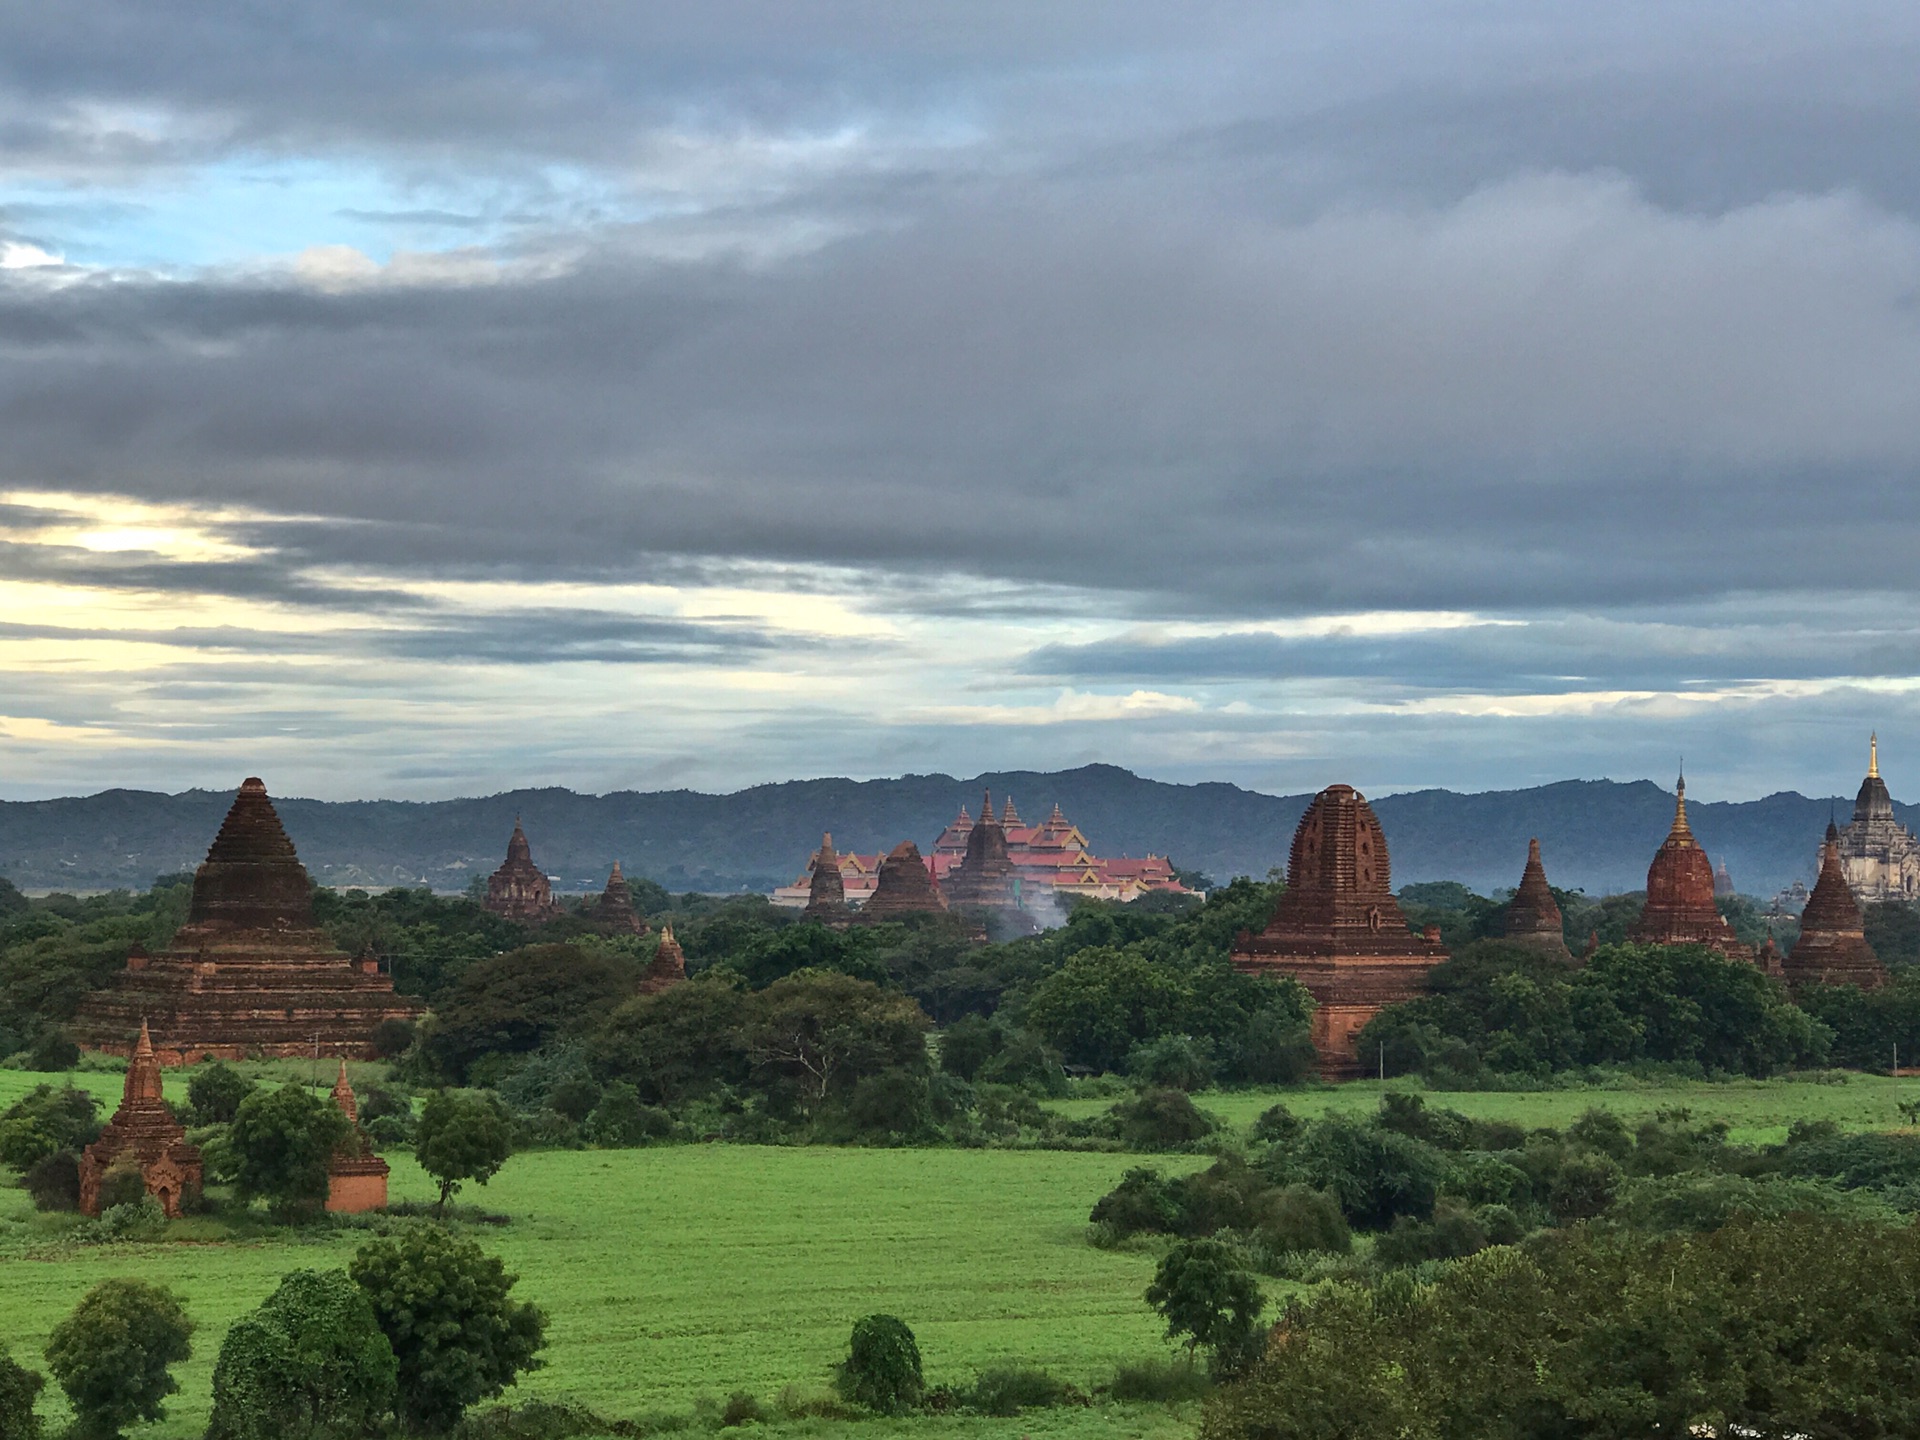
[684, 1272]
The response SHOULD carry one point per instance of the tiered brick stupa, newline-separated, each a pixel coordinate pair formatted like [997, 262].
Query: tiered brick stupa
[614, 910]
[519, 889]
[669, 966]
[1832, 948]
[1338, 930]
[249, 973]
[985, 878]
[1680, 908]
[1533, 915]
[905, 887]
[356, 1177]
[826, 890]
[143, 1132]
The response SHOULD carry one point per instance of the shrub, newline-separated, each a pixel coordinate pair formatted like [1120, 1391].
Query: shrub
[113, 1355]
[1160, 1120]
[969, 1043]
[619, 1119]
[1299, 1217]
[312, 1355]
[1006, 1390]
[19, 1388]
[1451, 1234]
[741, 1409]
[45, 1120]
[1583, 1188]
[215, 1093]
[1026, 1061]
[882, 1368]
[392, 1038]
[130, 1220]
[1277, 1125]
[1276, 1048]
[457, 1337]
[1163, 1381]
[121, 1185]
[1375, 1175]
[576, 1096]
[54, 1182]
[52, 1050]
[1171, 1062]
[893, 1105]
[1141, 1202]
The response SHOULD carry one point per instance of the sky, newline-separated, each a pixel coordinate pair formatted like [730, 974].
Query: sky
[423, 399]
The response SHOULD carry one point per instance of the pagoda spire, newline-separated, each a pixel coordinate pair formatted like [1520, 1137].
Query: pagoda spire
[1680, 808]
[343, 1094]
[143, 1070]
[1873, 755]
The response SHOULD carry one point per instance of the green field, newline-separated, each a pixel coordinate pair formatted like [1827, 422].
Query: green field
[697, 1270]
[1758, 1112]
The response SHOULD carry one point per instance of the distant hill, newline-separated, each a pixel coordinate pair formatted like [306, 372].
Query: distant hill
[1596, 834]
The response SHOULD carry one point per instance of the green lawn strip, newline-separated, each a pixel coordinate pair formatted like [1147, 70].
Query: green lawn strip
[686, 1271]
[1759, 1111]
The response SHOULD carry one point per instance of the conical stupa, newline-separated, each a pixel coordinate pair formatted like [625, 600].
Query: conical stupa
[1832, 948]
[519, 889]
[827, 888]
[905, 886]
[614, 910]
[1680, 908]
[250, 973]
[1533, 915]
[144, 1133]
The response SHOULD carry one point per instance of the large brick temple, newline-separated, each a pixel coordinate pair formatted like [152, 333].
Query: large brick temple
[250, 973]
[1680, 908]
[1339, 931]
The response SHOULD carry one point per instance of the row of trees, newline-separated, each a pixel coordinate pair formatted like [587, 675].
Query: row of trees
[416, 1329]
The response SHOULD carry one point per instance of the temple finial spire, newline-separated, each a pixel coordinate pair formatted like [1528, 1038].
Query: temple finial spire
[1680, 805]
[1873, 755]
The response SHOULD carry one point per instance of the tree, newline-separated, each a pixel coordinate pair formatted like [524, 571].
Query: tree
[1103, 1001]
[1207, 1297]
[215, 1093]
[113, 1354]
[44, 1121]
[311, 1359]
[282, 1143]
[461, 1137]
[19, 1387]
[826, 1031]
[678, 1043]
[457, 1336]
[52, 1050]
[514, 1003]
[882, 1368]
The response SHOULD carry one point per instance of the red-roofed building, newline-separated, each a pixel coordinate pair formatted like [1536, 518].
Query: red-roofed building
[1051, 858]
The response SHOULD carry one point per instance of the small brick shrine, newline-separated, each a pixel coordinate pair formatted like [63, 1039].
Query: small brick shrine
[143, 1132]
[1832, 948]
[356, 1177]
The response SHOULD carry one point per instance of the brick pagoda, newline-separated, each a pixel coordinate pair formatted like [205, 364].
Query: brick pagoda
[906, 887]
[826, 891]
[1832, 948]
[1338, 930]
[356, 1177]
[614, 910]
[144, 1132]
[250, 973]
[1533, 915]
[669, 966]
[985, 878]
[519, 889]
[1680, 908]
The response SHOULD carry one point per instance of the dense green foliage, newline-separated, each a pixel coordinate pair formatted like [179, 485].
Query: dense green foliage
[281, 1141]
[19, 1388]
[1209, 1301]
[45, 1122]
[113, 1356]
[311, 1362]
[457, 1336]
[882, 1368]
[215, 1093]
[508, 1005]
[1772, 1327]
[1501, 1009]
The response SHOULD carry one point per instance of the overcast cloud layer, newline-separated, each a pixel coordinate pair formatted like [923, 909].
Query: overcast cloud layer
[414, 402]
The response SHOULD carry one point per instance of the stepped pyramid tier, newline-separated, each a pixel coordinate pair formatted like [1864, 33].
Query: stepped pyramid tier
[905, 887]
[1338, 930]
[669, 965]
[985, 877]
[249, 973]
[519, 889]
[1880, 856]
[615, 906]
[1533, 915]
[826, 890]
[356, 1177]
[1832, 948]
[1680, 908]
[143, 1132]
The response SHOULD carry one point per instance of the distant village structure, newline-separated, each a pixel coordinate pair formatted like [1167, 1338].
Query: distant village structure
[1010, 866]
[250, 973]
[1880, 856]
[519, 889]
[1338, 929]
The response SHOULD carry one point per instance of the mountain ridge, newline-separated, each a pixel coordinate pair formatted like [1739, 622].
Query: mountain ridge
[1597, 835]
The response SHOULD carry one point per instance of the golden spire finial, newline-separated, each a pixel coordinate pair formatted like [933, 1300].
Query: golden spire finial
[1680, 806]
[1873, 756]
